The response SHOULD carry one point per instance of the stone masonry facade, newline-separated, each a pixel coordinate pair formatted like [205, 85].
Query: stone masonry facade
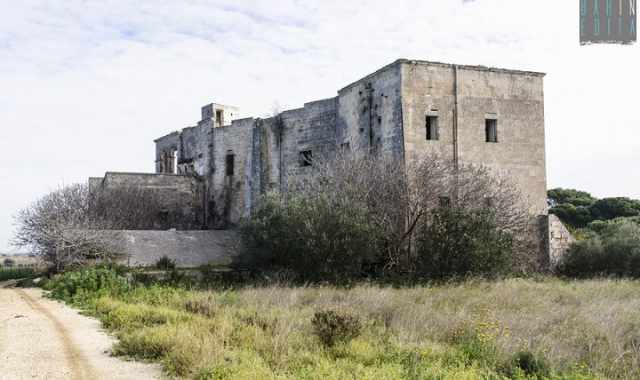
[472, 114]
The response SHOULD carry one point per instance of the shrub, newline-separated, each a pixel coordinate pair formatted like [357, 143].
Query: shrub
[616, 252]
[531, 364]
[359, 215]
[333, 327]
[317, 238]
[165, 263]
[15, 273]
[87, 283]
[459, 242]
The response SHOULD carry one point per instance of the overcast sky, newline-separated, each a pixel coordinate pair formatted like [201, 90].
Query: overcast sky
[85, 86]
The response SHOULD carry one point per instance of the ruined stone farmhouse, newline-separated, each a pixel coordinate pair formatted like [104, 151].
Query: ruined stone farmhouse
[216, 170]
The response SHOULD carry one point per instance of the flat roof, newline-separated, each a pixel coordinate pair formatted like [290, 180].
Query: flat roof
[442, 64]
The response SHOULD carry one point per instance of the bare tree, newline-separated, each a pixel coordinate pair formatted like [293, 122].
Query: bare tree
[74, 225]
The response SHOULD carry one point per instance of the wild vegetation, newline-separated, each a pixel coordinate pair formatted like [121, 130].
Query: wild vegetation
[8, 273]
[579, 209]
[356, 217]
[502, 329]
[608, 232]
[381, 272]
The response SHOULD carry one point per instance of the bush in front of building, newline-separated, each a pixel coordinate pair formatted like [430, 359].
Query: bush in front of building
[365, 215]
[458, 242]
[316, 237]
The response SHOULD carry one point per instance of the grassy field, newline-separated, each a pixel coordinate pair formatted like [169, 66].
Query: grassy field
[520, 329]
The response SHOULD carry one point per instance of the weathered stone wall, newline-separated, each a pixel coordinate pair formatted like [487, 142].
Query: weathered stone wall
[370, 113]
[513, 98]
[188, 249]
[560, 239]
[231, 192]
[311, 128]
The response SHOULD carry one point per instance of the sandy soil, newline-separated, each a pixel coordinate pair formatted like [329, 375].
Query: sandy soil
[44, 339]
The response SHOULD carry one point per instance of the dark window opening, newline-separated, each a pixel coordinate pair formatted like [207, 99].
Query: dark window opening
[432, 128]
[345, 146]
[491, 130]
[306, 158]
[163, 216]
[219, 117]
[445, 201]
[229, 164]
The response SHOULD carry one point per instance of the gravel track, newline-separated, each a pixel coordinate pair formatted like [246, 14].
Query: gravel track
[44, 339]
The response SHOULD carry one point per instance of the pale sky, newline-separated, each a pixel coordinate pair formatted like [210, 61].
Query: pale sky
[85, 86]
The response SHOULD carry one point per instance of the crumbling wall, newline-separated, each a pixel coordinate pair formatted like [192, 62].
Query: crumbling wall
[560, 239]
[309, 129]
[370, 113]
[228, 187]
[165, 146]
[193, 157]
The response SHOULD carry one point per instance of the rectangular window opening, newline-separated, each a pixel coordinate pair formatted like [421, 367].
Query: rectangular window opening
[445, 201]
[219, 117]
[491, 130]
[306, 158]
[432, 128]
[229, 164]
[345, 146]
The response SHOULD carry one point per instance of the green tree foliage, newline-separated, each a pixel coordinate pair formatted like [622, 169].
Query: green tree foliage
[610, 208]
[92, 282]
[578, 209]
[574, 216]
[615, 251]
[571, 196]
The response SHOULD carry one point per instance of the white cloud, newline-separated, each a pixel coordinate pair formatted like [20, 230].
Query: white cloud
[85, 86]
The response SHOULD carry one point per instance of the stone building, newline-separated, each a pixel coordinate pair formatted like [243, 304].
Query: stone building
[470, 113]
[473, 114]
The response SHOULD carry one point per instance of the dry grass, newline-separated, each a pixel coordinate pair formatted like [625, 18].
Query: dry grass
[583, 330]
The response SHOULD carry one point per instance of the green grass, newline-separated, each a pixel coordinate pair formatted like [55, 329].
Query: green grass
[15, 273]
[518, 329]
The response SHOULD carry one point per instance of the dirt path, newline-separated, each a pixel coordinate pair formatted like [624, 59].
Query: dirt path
[44, 339]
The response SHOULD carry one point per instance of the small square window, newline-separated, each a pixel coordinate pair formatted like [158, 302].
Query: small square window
[445, 201]
[491, 130]
[229, 164]
[432, 128]
[306, 158]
